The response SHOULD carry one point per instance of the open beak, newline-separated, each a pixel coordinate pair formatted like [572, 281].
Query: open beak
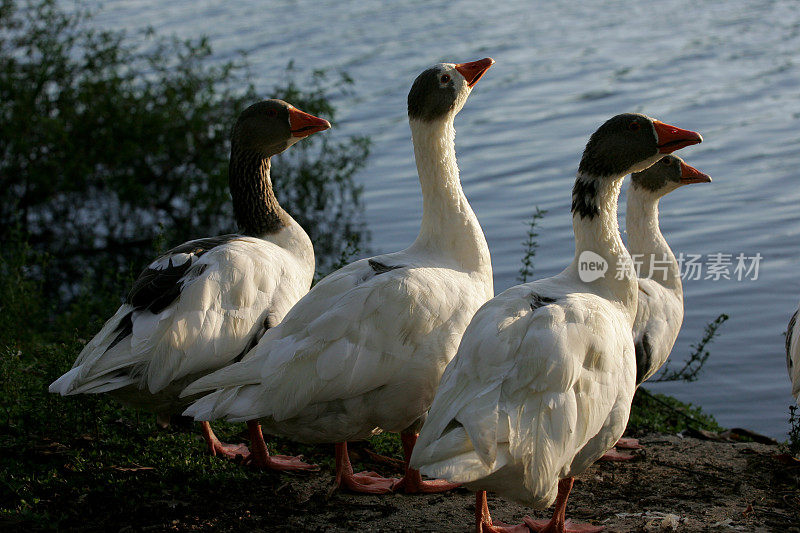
[671, 138]
[473, 71]
[302, 124]
[690, 174]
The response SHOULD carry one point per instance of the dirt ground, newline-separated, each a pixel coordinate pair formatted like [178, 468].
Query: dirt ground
[677, 484]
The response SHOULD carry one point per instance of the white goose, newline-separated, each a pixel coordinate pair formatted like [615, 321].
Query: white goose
[203, 304]
[542, 382]
[659, 314]
[363, 351]
[793, 354]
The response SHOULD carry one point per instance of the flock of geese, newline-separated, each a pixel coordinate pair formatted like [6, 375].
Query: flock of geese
[515, 393]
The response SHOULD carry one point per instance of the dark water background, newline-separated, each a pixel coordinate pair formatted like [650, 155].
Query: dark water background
[728, 69]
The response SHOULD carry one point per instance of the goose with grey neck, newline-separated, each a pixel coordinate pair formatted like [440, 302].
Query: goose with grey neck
[545, 373]
[793, 354]
[363, 351]
[659, 313]
[203, 304]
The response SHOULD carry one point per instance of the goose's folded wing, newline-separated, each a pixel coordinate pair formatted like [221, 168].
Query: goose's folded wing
[469, 391]
[191, 310]
[659, 316]
[531, 384]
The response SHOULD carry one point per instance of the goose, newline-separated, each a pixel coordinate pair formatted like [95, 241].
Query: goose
[659, 314]
[363, 351]
[793, 354]
[203, 304]
[542, 383]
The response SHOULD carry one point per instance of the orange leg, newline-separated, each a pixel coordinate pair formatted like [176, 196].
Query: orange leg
[614, 455]
[483, 521]
[261, 458]
[412, 481]
[558, 523]
[628, 444]
[366, 482]
[215, 447]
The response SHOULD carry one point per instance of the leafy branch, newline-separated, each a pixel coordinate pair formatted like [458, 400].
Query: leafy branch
[694, 363]
[531, 244]
[794, 431]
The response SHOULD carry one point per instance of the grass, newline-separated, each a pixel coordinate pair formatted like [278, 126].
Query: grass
[66, 462]
[665, 414]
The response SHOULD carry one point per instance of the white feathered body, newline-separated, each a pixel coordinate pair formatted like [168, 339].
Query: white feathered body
[793, 354]
[361, 353]
[224, 292]
[540, 388]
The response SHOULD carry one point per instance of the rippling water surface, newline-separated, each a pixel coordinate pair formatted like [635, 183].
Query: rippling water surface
[725, 68]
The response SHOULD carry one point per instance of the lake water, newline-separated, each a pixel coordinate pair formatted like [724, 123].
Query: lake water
[728, 69]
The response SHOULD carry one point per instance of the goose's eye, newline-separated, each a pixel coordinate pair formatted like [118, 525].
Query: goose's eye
[445, 78]
[666, 162]
[272, 113]
[634, 126]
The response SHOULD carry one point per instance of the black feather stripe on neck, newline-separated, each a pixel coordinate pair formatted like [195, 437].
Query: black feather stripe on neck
[584, 198]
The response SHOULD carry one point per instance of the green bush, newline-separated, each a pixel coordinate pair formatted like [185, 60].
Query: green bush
[103, 143]
[665, 414]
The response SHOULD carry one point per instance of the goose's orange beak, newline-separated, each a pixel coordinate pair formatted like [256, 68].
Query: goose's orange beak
[689, 174]
[473, 71]
[303, 124]
[671, 138]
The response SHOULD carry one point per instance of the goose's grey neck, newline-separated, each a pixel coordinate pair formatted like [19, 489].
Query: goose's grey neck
[646, 243]
[255, 207]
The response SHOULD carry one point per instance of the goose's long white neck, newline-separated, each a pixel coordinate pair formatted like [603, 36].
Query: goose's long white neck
[599, 233]
[449, 226]
[647, 245]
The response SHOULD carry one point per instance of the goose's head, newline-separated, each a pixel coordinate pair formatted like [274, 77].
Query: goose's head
[631, 142]
[271, 126]
[441, 91]
[667, 175]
